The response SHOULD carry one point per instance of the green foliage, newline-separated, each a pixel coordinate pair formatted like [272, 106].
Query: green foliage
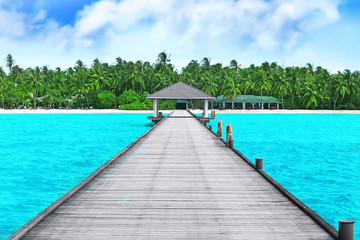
[167, 104]
[107, 99]
[137, 105]
[127, 84]
[128, 97]
[149, 104]
[348, 106]
[131, 100]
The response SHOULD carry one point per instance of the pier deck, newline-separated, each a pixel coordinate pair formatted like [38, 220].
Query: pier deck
[178, 182]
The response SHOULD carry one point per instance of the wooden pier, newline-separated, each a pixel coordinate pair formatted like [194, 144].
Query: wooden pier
[178, 181]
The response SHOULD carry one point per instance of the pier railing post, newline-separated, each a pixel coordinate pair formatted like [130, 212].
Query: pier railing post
[259, 163]
[229, 137]
[219, 132]
[346, 230]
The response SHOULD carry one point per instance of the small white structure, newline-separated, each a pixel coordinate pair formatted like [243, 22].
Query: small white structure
[179, 91]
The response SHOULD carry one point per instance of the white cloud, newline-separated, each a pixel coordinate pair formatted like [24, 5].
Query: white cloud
[209, 20]
[139, 29]
[12, 24]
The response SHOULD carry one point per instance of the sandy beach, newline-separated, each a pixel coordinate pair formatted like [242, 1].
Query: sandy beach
[116, 111]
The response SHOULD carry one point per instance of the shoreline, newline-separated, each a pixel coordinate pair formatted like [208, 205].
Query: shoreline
[116, 111]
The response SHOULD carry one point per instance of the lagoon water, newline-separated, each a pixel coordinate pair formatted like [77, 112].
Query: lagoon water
[316, 157]
[44, 156]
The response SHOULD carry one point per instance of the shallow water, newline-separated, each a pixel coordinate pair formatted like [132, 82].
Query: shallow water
[44, 156]
[315, 157]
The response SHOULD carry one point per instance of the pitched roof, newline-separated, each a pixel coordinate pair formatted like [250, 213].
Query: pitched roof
[269, 99]
[248, 99]
[180, 90]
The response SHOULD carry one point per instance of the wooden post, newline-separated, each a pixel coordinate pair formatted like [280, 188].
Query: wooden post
[219, 132]
[346, 230]
[229, 137]
[259, 163]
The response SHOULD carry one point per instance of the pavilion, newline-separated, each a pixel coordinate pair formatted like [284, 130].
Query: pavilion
[247, 102]
[183, 93]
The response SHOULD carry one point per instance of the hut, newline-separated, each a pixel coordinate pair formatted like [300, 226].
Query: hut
[247, 102]
[179, 91]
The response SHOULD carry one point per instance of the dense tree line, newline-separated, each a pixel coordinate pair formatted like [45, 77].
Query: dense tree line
[125, 84]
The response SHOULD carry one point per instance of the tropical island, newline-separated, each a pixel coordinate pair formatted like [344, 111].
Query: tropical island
[126, 84]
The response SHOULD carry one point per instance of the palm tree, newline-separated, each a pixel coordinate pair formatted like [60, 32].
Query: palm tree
[205, 64]
[351, 83]
[263, 83]
[98, 76]
[247, 83]
[35, 83]
[83, 86]
[234, 65]
[191, 74]
[163, 62]
[311, 97]
[209, 86]
[10, 62]
[340, 88]
[80, 66]
[3, 85]
[232, 88]
[310, 68]
[161, 81]
[295, 79]
[283, 85]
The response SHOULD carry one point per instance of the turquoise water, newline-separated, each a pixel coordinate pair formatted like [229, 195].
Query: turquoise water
[315, 157]
[44, 156]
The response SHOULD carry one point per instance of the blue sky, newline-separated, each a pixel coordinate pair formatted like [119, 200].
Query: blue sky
[289, 32]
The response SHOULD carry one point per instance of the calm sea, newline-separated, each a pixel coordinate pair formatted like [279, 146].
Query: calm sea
[44, 156]
[316, 157]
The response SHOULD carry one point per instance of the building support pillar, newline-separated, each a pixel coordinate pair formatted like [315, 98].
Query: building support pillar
[232, 105]
[156, 107]
[206, 108]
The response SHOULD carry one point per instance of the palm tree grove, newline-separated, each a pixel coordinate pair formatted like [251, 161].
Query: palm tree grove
[125, 84]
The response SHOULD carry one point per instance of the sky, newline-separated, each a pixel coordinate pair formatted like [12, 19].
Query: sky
[290, 32]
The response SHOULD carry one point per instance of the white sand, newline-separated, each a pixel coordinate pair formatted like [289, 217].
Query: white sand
[74, 111]
[285, 111]
[115, 111]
